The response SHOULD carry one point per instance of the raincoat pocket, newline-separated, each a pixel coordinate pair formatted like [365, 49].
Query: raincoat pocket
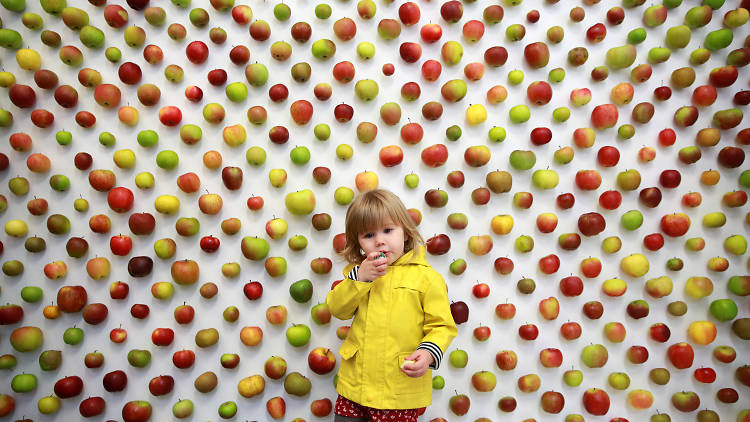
[348, 350]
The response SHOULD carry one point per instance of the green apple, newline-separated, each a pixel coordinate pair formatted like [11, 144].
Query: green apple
[515, 77]
[573, 377]
[113, 54]
[524, 243]
[31, 294]
[236, 92]
[323, 11]
[298, 335]
[299, 155]
[561, 114]
[522, 159]
[228, 409]
[632, 220]
[365, 50]
[519, 113]
[343, 195]
[322, 131]
[147, 138]
[458, 358]
[556, 75]
[63, 137]
[438, 382]
[107, 139]
[23, 383]
[496, 134]
[301, 290]
[411, 180]
[723, 309]
[73, 335]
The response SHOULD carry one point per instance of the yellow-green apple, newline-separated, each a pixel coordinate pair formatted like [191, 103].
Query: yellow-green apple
[594, 355]
[480, 245]
[343, 195]
[275, 266]
[524, 243]
[255, 248]
[301, 202]
[573, 377]
[545, 179]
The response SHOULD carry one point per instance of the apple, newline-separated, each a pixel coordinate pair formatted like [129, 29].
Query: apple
[460, 312]
[570, 330]
[459, 404]
[596, 401]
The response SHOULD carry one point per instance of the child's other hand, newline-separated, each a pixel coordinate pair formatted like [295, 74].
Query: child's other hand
[422, 360]
[372, 267]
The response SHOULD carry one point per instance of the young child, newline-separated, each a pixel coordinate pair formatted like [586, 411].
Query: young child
[402, 320]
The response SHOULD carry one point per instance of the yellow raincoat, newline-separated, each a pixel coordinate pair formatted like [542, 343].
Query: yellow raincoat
[393, 314]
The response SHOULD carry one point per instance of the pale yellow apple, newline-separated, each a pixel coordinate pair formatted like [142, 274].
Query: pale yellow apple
[167, 204]
[476, 114]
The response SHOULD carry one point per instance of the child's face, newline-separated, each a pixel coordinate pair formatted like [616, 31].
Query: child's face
[388, 238]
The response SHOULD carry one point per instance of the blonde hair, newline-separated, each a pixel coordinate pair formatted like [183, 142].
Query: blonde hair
[369, 210]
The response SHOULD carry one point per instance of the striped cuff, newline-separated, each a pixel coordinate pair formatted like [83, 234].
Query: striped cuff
[353, 273]
[434, 350]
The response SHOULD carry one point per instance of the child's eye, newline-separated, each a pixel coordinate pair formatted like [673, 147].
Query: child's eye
[388, 230]
[367, 235]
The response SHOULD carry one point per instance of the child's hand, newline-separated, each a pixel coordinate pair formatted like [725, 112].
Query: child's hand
[422, 359]
[372, 267]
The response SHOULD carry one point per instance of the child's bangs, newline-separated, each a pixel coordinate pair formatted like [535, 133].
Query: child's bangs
[370, 216]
